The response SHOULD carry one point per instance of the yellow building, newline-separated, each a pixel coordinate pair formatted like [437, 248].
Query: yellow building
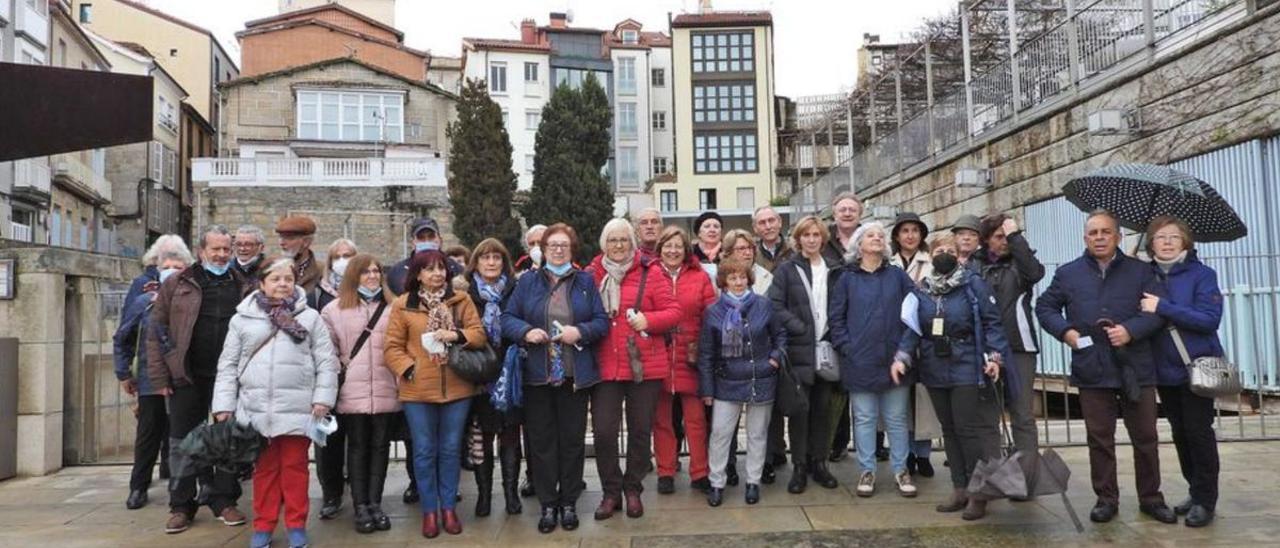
[723, 82]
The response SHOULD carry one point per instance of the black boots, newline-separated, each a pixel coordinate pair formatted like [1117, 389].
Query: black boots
[509, 455]
[822, 476]
[484, 486]
[799, 479]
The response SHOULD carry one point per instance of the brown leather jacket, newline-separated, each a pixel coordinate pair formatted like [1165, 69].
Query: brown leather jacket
[308, 279]
[173, 318]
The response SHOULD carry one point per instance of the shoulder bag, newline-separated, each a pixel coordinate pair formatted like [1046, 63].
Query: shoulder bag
[824, 355]
[1211, 376]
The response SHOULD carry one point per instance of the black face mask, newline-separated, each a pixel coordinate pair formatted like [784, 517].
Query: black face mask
[944, 264]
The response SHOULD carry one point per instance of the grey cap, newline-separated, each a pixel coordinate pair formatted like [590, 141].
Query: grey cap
[970, 222]
[425, 223]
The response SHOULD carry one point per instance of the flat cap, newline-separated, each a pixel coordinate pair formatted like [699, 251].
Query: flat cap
[967, 222]
[296, 225]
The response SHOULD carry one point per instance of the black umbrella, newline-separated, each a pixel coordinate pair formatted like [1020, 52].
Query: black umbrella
[1137, 193]
[223, 444]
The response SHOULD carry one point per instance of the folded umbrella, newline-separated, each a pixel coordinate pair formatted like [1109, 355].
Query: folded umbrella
[225, 444]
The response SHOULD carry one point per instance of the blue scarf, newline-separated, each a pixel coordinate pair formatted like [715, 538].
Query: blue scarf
[732, 333]
[491, 294]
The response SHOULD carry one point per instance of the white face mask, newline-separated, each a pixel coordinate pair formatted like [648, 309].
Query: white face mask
[164, 274]
[340, 265]
[535, 255]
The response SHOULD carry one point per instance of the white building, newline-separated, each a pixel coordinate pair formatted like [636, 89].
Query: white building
[25, 189]
[518, 75]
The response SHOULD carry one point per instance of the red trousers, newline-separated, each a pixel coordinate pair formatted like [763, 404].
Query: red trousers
[695, 434]
[281, 476]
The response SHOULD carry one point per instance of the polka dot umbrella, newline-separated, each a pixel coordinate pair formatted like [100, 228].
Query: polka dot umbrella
[1137, 193]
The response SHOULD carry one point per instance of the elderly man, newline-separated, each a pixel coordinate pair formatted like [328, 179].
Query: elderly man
[296, 236]
[1093, 305]
[648, 230]
[189, 321]
[846, 212]
[771, 247]
[248, 246]
[533, 250]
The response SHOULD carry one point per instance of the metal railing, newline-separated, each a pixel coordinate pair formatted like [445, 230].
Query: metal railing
[319, 171]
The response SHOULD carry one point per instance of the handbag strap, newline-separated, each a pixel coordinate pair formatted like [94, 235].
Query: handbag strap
[644, 276]
[808, 290]
[257, 349]
[368, 330]
[1182, 347]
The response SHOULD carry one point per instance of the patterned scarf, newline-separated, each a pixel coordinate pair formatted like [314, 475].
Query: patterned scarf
[438, 316]
[937, 284]
[280, 312]
[300, 267]
[491, 294]
[732, 333]
[611, 286]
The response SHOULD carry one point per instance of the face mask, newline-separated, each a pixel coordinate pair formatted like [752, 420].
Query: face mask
[248, 262]
[216, 270]
[426, 246]
[164, 274]
[535, 255]
[340, 266]
[367, 293]
[944, 264]
[559, 270]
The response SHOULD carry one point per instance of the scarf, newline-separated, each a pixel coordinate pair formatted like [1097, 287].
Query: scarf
[732, 333]
[611, 286]
[438, 316]
[300, 267]
[1166, 266]
[280, 312]
[491, 294]
[937, 284]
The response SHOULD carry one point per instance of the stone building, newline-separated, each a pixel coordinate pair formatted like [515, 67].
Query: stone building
[326, 31]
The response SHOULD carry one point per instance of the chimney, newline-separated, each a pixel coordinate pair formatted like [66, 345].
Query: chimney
[704, 6]
[558, 20]
[528, 31]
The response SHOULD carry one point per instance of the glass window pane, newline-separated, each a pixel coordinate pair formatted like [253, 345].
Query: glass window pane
[697, 40]
[751, 140]
[722, 39]
[329, 132]
[746, 39]
[751, 152]
[698, 116]
[309, 131]
[393, 114]
[747, 66]
[700, 166]
[733, 39]
[723, 66]
[737, 165]
[750, 115]
[370, 133]
[308, 112]
[751, 165]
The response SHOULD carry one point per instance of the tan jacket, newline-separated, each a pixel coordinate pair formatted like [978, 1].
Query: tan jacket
[433, 380]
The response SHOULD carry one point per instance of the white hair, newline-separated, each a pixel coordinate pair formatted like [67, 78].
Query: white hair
[163, 244]
[853, 254]
[615, 224]
[755, 216]
[530, 232]
[252, 231]
[649, 210]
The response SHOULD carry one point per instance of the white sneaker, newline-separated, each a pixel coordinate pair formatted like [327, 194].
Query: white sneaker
[866, 484]
[906, 487]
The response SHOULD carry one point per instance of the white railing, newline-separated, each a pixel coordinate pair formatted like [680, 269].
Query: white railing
[31, 173]
[70, 166]
[20, 232]
[319, 171]
[33, 22]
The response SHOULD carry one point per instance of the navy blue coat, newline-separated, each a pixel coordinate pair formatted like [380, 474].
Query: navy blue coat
[748, 378]
[526, 310]
[865, 322]
[1193, 303]
[971, 318]
[149, 274]
[1086, 294]
[133, 327]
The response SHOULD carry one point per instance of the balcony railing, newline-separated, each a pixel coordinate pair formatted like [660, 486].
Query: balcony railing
[33, 22]
[31, 175]
[319, 171]
[20, 232]
[69, 166]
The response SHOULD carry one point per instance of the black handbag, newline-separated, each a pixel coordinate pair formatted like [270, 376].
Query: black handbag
[475, 365]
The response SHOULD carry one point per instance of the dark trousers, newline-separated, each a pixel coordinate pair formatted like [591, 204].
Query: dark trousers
[844, 429]
[402, 429]
[189, 408]
[1191, 418]
[555, 420]
[150, 441]
[775, 447]
[330, 461]
[1022, 417]
[970, 418]
[1101, 407]
[607, 400]
[368, 450]
[808, 430]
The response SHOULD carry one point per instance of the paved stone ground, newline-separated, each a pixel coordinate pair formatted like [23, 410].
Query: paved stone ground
[84, 506]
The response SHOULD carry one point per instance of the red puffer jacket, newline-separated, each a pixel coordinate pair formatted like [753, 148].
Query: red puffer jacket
[694, 292]
[660, 310]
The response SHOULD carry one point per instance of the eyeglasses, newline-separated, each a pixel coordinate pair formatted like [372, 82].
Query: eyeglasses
[617, 242]
[1168, 238]
[558, 246]
[742, 248]
[371, 271]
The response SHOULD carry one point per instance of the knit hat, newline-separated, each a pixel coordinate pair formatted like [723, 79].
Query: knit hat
[706, 215]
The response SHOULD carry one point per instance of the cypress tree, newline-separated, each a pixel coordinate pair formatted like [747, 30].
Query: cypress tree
[481, 181]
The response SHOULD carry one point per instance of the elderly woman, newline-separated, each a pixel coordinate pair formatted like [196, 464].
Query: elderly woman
[557, 315]
[641, 308]
[277, 373]
[694, 293]
[425, 320]
[1192, 306]
[865, 329]
[911, 254]
[169, 256]
[533, 256]
[741, 346]
[492, 282]
[367, 403]
[329, 459]
[956, 341]
[708, 228]
[739, 244]
[800, 291]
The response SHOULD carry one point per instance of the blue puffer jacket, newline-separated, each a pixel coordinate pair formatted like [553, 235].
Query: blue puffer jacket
[749, 378]
[133, 328]
[526, 310]
[971, 318]
[1192, 303]
[865, 323]
[1086, 294]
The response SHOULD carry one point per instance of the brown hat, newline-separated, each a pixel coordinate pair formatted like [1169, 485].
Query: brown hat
[296, 226]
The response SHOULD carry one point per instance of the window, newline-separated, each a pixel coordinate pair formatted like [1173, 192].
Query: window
[707, 198]
[667, 200]
[166, 115]
[531, 119]
[84, 234]
[55, 234]
[156, 161]
[724, 52]
[724, 153]
[659, 165]
[531, 72]
[62, 53]
[626, 75]
[506, 121]
[528, 163]
[350, 116]
[630, 37]
[724, 103]
[746, 197]
[659, 120]
[575, 77]
[658, 77]
[498, 78]
[628, 171]
[86, 13]
[627, 119]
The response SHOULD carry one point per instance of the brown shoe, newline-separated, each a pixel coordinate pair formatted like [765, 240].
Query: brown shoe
[232, 516]
[178, 522]
[608, 505]
[959, 499]
[635, 508]
[976, 509]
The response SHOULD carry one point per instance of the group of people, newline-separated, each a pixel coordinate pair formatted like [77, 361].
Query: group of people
[878, 331]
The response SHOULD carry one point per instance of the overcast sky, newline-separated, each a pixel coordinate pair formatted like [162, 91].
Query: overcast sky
[816, 40]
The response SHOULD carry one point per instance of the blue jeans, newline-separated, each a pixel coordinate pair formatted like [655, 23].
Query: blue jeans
[891, 406]
[437, 450]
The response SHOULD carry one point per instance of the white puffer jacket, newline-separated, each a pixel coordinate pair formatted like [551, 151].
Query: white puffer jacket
[274, 391]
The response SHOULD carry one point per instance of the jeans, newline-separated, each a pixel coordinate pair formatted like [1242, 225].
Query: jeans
[724, 424]
[606, 420]
[1191, 419]
[868, 409]
[437, 450]
[189, 408]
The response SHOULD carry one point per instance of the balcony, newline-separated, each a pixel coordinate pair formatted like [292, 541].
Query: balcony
[19, 231]
[345, 172]
[32, 23]
[6, 6]
[80, 179]
[31, 178]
